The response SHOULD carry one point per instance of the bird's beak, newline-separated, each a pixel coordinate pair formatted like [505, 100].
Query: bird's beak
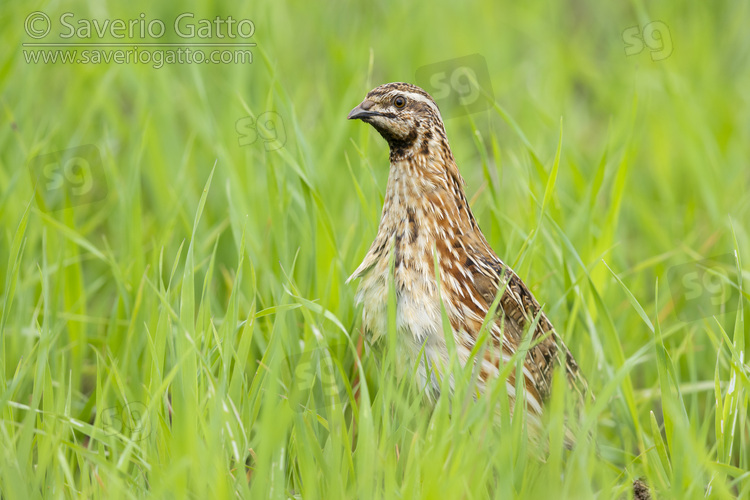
[362, 111]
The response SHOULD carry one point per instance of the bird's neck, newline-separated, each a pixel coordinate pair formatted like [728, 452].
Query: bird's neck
[425, 196]
[424, 210]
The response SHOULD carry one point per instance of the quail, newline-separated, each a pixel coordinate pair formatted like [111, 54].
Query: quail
[426, 219]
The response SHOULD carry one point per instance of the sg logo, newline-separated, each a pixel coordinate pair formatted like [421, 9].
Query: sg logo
[655, 36]
[68, 178]
[127, 420]
[268, 126]
[705, 288]
[316, 379]
[459, 86]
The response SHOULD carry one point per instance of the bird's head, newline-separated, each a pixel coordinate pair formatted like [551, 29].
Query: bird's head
[405, 115]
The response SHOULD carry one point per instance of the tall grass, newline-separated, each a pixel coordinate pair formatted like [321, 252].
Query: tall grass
[190, 334]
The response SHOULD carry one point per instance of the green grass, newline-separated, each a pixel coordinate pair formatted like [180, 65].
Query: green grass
[207, 284]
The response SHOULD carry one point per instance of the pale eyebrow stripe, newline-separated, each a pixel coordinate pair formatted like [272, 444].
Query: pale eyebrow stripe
[417, 97]
[389, 94]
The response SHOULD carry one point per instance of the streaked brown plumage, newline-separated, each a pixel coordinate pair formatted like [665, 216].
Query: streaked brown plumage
[426, 212]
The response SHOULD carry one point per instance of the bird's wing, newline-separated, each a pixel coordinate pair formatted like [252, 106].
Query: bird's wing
[520, 310]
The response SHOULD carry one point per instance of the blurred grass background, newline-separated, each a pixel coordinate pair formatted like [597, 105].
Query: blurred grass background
[150, 341]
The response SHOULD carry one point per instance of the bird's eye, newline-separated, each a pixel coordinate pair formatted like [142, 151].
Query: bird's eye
[399, 102]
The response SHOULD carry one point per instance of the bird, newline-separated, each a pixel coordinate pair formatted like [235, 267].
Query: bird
[426, 222]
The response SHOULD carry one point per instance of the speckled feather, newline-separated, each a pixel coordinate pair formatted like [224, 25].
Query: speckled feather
[426, 213]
